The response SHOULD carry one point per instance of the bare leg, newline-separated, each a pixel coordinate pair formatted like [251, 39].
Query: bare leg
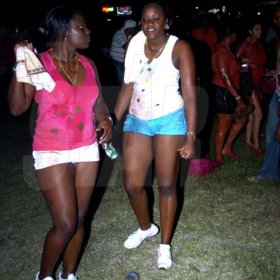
[57, 184]
[249, 129]
[234, 130]
[223, 124]
[257, 119]
[137, 154]
[86, 173]
[167, 166]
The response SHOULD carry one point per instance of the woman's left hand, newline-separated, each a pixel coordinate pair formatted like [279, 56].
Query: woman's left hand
[105, 127]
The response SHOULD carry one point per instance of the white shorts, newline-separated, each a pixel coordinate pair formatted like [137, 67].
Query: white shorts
[45, 159]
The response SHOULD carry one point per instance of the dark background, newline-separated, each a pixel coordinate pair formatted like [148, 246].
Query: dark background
[28, 11]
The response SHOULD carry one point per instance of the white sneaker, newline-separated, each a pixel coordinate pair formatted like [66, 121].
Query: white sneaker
[46, 278]
[70, 277]
[136, 238]
[164, 260]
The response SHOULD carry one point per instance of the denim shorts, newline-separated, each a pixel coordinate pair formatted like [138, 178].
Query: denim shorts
[45, 159]
[170, 124]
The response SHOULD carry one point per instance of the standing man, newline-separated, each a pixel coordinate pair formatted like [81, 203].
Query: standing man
[119, 43]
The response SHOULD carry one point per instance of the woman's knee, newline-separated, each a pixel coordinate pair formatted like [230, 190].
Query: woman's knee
[81, 217]
[66, 227]
[132, 191]
[166, 189]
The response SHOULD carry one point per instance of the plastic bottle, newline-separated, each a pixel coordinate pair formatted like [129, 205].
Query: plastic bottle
[107, 147]
[109, 150]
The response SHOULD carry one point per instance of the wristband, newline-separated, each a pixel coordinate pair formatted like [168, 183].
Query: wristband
[193, 134]
[237, 97]
[109, 118]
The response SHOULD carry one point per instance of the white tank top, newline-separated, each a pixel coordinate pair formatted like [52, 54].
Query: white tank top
[156, 85]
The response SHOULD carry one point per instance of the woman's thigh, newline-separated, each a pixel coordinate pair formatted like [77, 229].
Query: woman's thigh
[85, 179]
[58, 188]
[137, 157]
[67, 187]
[255, 99]
[166, 155]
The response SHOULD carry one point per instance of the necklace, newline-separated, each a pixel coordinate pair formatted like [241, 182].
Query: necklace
[65, 72]
[151, 57]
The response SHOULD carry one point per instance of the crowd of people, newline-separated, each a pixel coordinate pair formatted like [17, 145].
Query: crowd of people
[157, 95]
[239, 69]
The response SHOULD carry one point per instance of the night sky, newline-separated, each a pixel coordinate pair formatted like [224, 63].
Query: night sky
[27, 11]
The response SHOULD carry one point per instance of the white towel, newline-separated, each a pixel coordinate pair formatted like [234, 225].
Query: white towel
[135, 50]
[30, 70]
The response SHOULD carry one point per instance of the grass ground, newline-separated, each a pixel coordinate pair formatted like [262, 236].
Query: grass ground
[228, 228]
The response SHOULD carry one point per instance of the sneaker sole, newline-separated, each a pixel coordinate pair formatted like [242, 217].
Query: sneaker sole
[164, 267]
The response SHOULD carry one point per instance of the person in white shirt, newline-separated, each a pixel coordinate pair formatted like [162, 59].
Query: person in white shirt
[119, 44]
[159, 91]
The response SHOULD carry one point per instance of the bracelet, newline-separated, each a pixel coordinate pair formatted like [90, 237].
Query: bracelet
[193, 134]
[109, 118]
[237, 97]
[17, 62]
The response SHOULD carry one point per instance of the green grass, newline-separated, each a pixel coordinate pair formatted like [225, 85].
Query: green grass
[229, 228]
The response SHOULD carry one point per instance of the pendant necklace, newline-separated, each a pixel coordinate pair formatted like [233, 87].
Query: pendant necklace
[151, 57]
[65, 72]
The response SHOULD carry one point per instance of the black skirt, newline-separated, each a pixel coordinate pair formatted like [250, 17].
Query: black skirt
[223, 101]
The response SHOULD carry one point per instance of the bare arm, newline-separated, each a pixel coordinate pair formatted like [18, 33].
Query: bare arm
[223, 65]
[123, 100]
[101, 111]
[20, 95]
[183, 59]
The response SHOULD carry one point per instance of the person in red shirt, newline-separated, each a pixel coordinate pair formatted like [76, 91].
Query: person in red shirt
[226, 98]
[253, 56]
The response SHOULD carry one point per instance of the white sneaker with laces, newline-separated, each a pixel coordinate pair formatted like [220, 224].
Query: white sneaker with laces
[136, 238]
[164, 260]
[46, 278]
[70, 277]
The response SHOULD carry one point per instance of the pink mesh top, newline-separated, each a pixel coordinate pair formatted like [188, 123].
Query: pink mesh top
[65, 115]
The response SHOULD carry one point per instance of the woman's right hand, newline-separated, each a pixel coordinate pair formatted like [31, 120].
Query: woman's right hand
[24, 43]
[240, 105]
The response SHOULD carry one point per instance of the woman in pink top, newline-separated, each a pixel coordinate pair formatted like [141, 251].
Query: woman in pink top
[65, 147]
[252, 54]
